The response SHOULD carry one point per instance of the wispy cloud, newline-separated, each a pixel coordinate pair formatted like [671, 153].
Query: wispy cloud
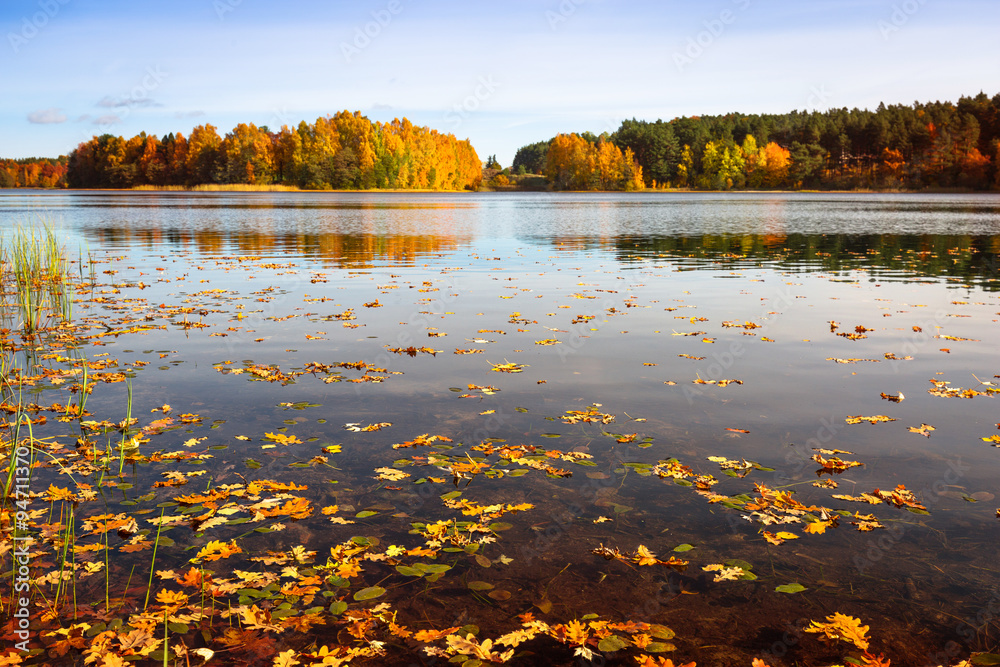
[107, 119]
[47, 116]
[109, 102]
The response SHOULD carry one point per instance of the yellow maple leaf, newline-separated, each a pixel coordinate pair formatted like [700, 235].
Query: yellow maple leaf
[348, 569]
[433, 635]
[285, 659]
[217, 550]
[644, 556]
[576, 632]
[843, 628]
[282, 439]
[170, 598]
[818, 527]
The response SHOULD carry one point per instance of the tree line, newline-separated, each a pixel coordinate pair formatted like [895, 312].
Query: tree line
[344, 151]
[918, 146]
[931, 145]
[33, 173]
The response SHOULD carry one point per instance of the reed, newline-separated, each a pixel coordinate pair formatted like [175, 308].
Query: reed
[242, 187]
[218, 187]
[36, 275]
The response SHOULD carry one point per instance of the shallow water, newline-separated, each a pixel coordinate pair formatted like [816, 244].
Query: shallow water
[616, 280]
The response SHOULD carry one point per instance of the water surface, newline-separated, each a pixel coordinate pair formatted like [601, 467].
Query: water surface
[643, 305]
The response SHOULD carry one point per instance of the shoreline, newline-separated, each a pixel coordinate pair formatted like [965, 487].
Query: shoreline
[928, 191]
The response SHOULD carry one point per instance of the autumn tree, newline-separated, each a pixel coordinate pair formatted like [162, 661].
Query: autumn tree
[204, 159]
[247, 155]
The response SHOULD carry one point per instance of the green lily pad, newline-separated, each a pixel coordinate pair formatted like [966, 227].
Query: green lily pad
[369, 593]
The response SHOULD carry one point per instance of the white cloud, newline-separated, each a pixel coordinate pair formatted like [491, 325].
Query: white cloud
[47, 116]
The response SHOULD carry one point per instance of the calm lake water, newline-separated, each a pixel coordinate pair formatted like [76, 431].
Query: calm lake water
[643, 305]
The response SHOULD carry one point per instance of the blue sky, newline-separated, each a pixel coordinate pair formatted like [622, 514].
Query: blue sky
[502, 74]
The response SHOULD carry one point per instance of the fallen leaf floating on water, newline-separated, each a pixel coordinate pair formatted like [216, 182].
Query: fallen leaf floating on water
[898, 398]
[923, 429]
[863, 498]
[831, 452]
[718, 383]
[356, 426]
[425, 440]
[819, 527]
[508, 367]
[874, 419]
[942, 390]
[486, 390]
[833, 464]
[391, 474]
[725, 573]
[780, 537]
[840, 627]
[282, 439]
[866, 522]
[641, 556]
[591, 414]
[735, 430]
[412, 351]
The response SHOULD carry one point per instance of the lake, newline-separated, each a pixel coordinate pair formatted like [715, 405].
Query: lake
[476, 406]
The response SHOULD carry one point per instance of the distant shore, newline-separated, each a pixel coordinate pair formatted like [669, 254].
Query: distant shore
[239, 187]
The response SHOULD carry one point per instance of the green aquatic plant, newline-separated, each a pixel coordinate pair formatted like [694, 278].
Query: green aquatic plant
[36, 275]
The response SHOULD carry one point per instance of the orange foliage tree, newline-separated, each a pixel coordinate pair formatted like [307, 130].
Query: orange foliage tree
[345, 150]
[574, 163]
[33, 173]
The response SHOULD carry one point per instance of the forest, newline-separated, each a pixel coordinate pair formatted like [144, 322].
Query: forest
[936, 145]
[33, 172]
[344, 151]
[923, 146]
